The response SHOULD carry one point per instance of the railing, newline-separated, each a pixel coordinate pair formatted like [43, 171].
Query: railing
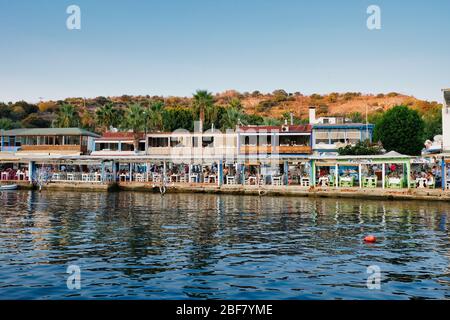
[276, 149]
[191, 151]
[9, 149]
[51, 148]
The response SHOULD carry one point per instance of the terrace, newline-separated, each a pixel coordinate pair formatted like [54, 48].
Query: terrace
[287, 139]
[63, 141]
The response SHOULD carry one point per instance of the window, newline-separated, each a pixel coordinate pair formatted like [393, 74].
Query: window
[107, 146]
[207, 142]
[127, 146]
[158, 142]
[321, 136]
[176, 141]
[71, 140]
[294, 140]
[337, 136]
[195, 142]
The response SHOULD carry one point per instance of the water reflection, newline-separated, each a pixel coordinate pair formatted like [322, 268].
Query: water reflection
[142, 245]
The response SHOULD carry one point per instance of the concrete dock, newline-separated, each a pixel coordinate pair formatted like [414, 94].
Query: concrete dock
[268, 190]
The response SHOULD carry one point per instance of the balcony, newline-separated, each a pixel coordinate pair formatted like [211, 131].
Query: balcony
[276, 150]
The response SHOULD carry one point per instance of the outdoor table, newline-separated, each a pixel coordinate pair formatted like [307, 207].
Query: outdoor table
[305, 182]
[231, 180]
[5, 175]
[323, 181]
[85, 177]
[70, 177]
[123, 177]
[156, 177]
[370, 182]
[346, 181]
[276, 181]
[422, 182]
[394, 182]
[213, 179]
[139, 177]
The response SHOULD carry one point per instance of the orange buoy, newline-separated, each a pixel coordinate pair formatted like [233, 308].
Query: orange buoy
[370, 239]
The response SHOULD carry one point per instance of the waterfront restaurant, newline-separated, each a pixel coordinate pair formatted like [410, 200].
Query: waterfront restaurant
[267, 153]
[19, 146]
[331, 133]
[391, 170]
[50, 141]
[119, 144]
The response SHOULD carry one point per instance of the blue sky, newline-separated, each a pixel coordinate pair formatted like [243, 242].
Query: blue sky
[174, 47]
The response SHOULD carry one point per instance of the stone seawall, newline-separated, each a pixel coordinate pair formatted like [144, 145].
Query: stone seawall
[292, 191]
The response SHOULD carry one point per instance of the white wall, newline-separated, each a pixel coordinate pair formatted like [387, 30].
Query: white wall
[312, 115]
[446, 121]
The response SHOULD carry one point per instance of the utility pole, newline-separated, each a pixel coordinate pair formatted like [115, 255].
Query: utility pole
[367, 122]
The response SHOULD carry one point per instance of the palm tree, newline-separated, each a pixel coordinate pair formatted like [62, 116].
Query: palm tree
[135, 121]
[67, 117]
[233, 115]
[204, 104]
[235, 103]
[155, 116]
[107, 116]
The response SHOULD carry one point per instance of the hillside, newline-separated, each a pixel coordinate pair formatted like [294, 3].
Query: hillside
[276, 105]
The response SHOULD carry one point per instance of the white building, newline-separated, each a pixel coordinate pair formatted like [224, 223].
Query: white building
[446, 121]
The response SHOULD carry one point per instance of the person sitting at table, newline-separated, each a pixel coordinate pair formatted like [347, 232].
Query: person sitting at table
[430, 180]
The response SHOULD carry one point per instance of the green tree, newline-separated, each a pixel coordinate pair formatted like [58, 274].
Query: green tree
[232, 117]
[8, 124]
[235, 103]
[135, 121]
[5, 110]
[433, 122]
[401, 129]
[356, 117]
[375, 119]
[253, 119]
[362, 148]
[107, 116]
[154, 116]
[67, 117]
[178, 118]
[27, 107]
[203, 106]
